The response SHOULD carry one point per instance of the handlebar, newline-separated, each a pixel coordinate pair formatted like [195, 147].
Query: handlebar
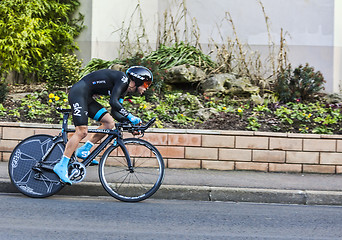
[127, 126]
[135, 128]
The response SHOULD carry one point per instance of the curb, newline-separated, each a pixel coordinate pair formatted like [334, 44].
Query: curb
[203, 193]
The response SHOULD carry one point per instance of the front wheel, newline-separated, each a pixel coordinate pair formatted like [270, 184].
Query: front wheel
[23, 164]
[135, 184]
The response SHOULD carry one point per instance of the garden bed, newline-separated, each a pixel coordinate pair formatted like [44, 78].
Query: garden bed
[187, 111]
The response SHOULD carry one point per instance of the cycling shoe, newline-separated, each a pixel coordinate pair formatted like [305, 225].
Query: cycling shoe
[84, 151]
[61, 169]
[94, 163]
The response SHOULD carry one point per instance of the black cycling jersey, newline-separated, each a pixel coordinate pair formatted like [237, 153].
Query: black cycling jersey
[102, 82]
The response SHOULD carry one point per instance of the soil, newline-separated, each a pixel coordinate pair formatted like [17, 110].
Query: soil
[233, 122]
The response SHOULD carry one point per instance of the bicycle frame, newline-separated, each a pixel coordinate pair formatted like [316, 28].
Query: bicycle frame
[133, 175]
[63, 138]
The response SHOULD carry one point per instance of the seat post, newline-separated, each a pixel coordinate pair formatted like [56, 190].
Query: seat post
[65, 126]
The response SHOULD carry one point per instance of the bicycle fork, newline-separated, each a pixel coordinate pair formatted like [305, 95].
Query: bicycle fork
[126, 154]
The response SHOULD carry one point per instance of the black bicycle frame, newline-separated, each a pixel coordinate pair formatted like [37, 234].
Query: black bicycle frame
[112, 134]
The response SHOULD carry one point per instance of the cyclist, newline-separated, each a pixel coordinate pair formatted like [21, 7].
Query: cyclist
[103, 82]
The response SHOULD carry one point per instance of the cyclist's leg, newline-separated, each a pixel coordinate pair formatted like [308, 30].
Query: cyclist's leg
[61, 168]
[107, 122]
[78, 102]
[98, 113]
[80, 133]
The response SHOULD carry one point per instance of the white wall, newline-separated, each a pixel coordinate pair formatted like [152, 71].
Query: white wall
[314, 26]
[103, 19]
[338, 47]
[84, 40]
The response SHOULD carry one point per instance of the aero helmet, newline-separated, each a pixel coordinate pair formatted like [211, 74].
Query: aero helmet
[140, 75]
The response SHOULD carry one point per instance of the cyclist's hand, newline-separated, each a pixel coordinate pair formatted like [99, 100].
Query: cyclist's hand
[134, 120]
[136, 133]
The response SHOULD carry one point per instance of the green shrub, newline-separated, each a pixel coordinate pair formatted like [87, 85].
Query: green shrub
[61, 70]
[301, 84]
[33, 30]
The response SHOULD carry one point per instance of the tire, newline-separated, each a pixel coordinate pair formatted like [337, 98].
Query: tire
[24, 157]
[127, 186]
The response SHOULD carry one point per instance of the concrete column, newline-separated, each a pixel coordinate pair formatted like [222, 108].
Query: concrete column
[338, 46]
[84, 41]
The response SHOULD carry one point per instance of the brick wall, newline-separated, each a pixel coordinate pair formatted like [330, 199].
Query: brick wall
[219, 150]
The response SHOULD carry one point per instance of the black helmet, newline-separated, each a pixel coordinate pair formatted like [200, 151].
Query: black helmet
[140, 75]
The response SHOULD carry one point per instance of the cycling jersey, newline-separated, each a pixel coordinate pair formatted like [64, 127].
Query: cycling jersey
[102, 82]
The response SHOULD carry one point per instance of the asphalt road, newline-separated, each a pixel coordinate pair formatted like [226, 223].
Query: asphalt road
[104, 218]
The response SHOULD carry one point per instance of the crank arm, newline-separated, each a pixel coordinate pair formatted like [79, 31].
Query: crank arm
[41, 166]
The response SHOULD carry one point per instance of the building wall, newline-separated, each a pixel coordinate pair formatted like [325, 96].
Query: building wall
[104, 18]
[314, 27]
[338, 46]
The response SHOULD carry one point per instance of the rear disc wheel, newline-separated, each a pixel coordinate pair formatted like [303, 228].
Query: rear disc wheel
[25, 176]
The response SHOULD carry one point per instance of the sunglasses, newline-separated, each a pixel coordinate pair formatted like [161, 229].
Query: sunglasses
[146, 84]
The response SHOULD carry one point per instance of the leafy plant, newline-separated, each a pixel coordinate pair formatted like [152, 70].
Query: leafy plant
[61, 70]
[303, 129]
[323, 130]
[261, 108]
[253, 124]
[239, 112]
[94, 65]
[31, 30]
[300, 84]
[42, 105]
[179, 54]
[185, 110]
[3, 110]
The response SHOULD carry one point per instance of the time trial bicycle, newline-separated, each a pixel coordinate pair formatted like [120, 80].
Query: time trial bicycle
[130, 169]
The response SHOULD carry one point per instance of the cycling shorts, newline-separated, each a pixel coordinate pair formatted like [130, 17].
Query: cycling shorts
[83, 105]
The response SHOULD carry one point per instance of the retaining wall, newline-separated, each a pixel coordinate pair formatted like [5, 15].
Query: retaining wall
[219, 150]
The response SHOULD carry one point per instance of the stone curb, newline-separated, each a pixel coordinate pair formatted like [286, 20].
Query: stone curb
[203, 193]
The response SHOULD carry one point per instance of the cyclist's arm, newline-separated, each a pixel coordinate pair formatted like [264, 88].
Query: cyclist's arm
[116, 93]
[118, 117]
